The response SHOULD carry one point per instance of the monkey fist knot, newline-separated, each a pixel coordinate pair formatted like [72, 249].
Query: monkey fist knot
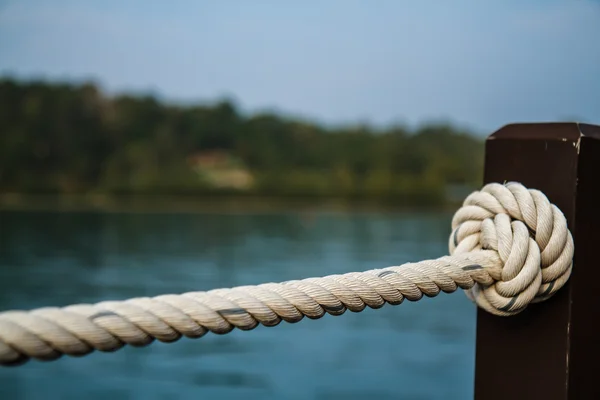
[531, 238]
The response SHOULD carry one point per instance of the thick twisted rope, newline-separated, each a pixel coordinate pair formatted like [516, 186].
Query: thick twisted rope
[530, 236]
[509, 247]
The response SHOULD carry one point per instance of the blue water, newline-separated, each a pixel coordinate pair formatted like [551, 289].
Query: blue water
[417, 350]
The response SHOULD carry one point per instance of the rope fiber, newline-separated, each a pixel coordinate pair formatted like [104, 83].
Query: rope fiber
[509, 247]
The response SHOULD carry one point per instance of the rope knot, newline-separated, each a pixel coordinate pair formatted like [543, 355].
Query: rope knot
[531, 237]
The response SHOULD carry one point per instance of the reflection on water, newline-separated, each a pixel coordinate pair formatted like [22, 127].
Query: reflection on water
[422, 350]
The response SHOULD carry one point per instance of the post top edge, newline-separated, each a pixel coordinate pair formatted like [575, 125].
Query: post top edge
[547, 131]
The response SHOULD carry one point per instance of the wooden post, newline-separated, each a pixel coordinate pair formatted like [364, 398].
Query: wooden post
[549, 351]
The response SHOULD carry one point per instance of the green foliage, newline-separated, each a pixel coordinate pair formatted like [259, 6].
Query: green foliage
[59, 138]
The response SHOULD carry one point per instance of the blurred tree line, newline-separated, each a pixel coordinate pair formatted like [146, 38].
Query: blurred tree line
[67, 138]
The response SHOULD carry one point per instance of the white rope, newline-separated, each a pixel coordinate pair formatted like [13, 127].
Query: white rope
[509, 247]
[529, 234]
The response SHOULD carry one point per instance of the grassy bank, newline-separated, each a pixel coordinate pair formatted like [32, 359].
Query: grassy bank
[203, 204]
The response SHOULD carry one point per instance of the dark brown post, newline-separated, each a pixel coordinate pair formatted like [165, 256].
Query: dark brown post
[551, 350]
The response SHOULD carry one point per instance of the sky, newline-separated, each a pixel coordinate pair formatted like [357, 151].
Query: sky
[479, 64]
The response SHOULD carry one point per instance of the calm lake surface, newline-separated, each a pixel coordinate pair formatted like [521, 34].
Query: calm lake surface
[422, 350]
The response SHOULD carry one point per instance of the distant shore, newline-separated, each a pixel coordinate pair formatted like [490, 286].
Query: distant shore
[92, 150]
[202, 204]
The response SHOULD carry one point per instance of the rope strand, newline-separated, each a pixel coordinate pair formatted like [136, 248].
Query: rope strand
[509, 247]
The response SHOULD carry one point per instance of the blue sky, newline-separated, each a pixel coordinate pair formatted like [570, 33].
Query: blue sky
[481, 64]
